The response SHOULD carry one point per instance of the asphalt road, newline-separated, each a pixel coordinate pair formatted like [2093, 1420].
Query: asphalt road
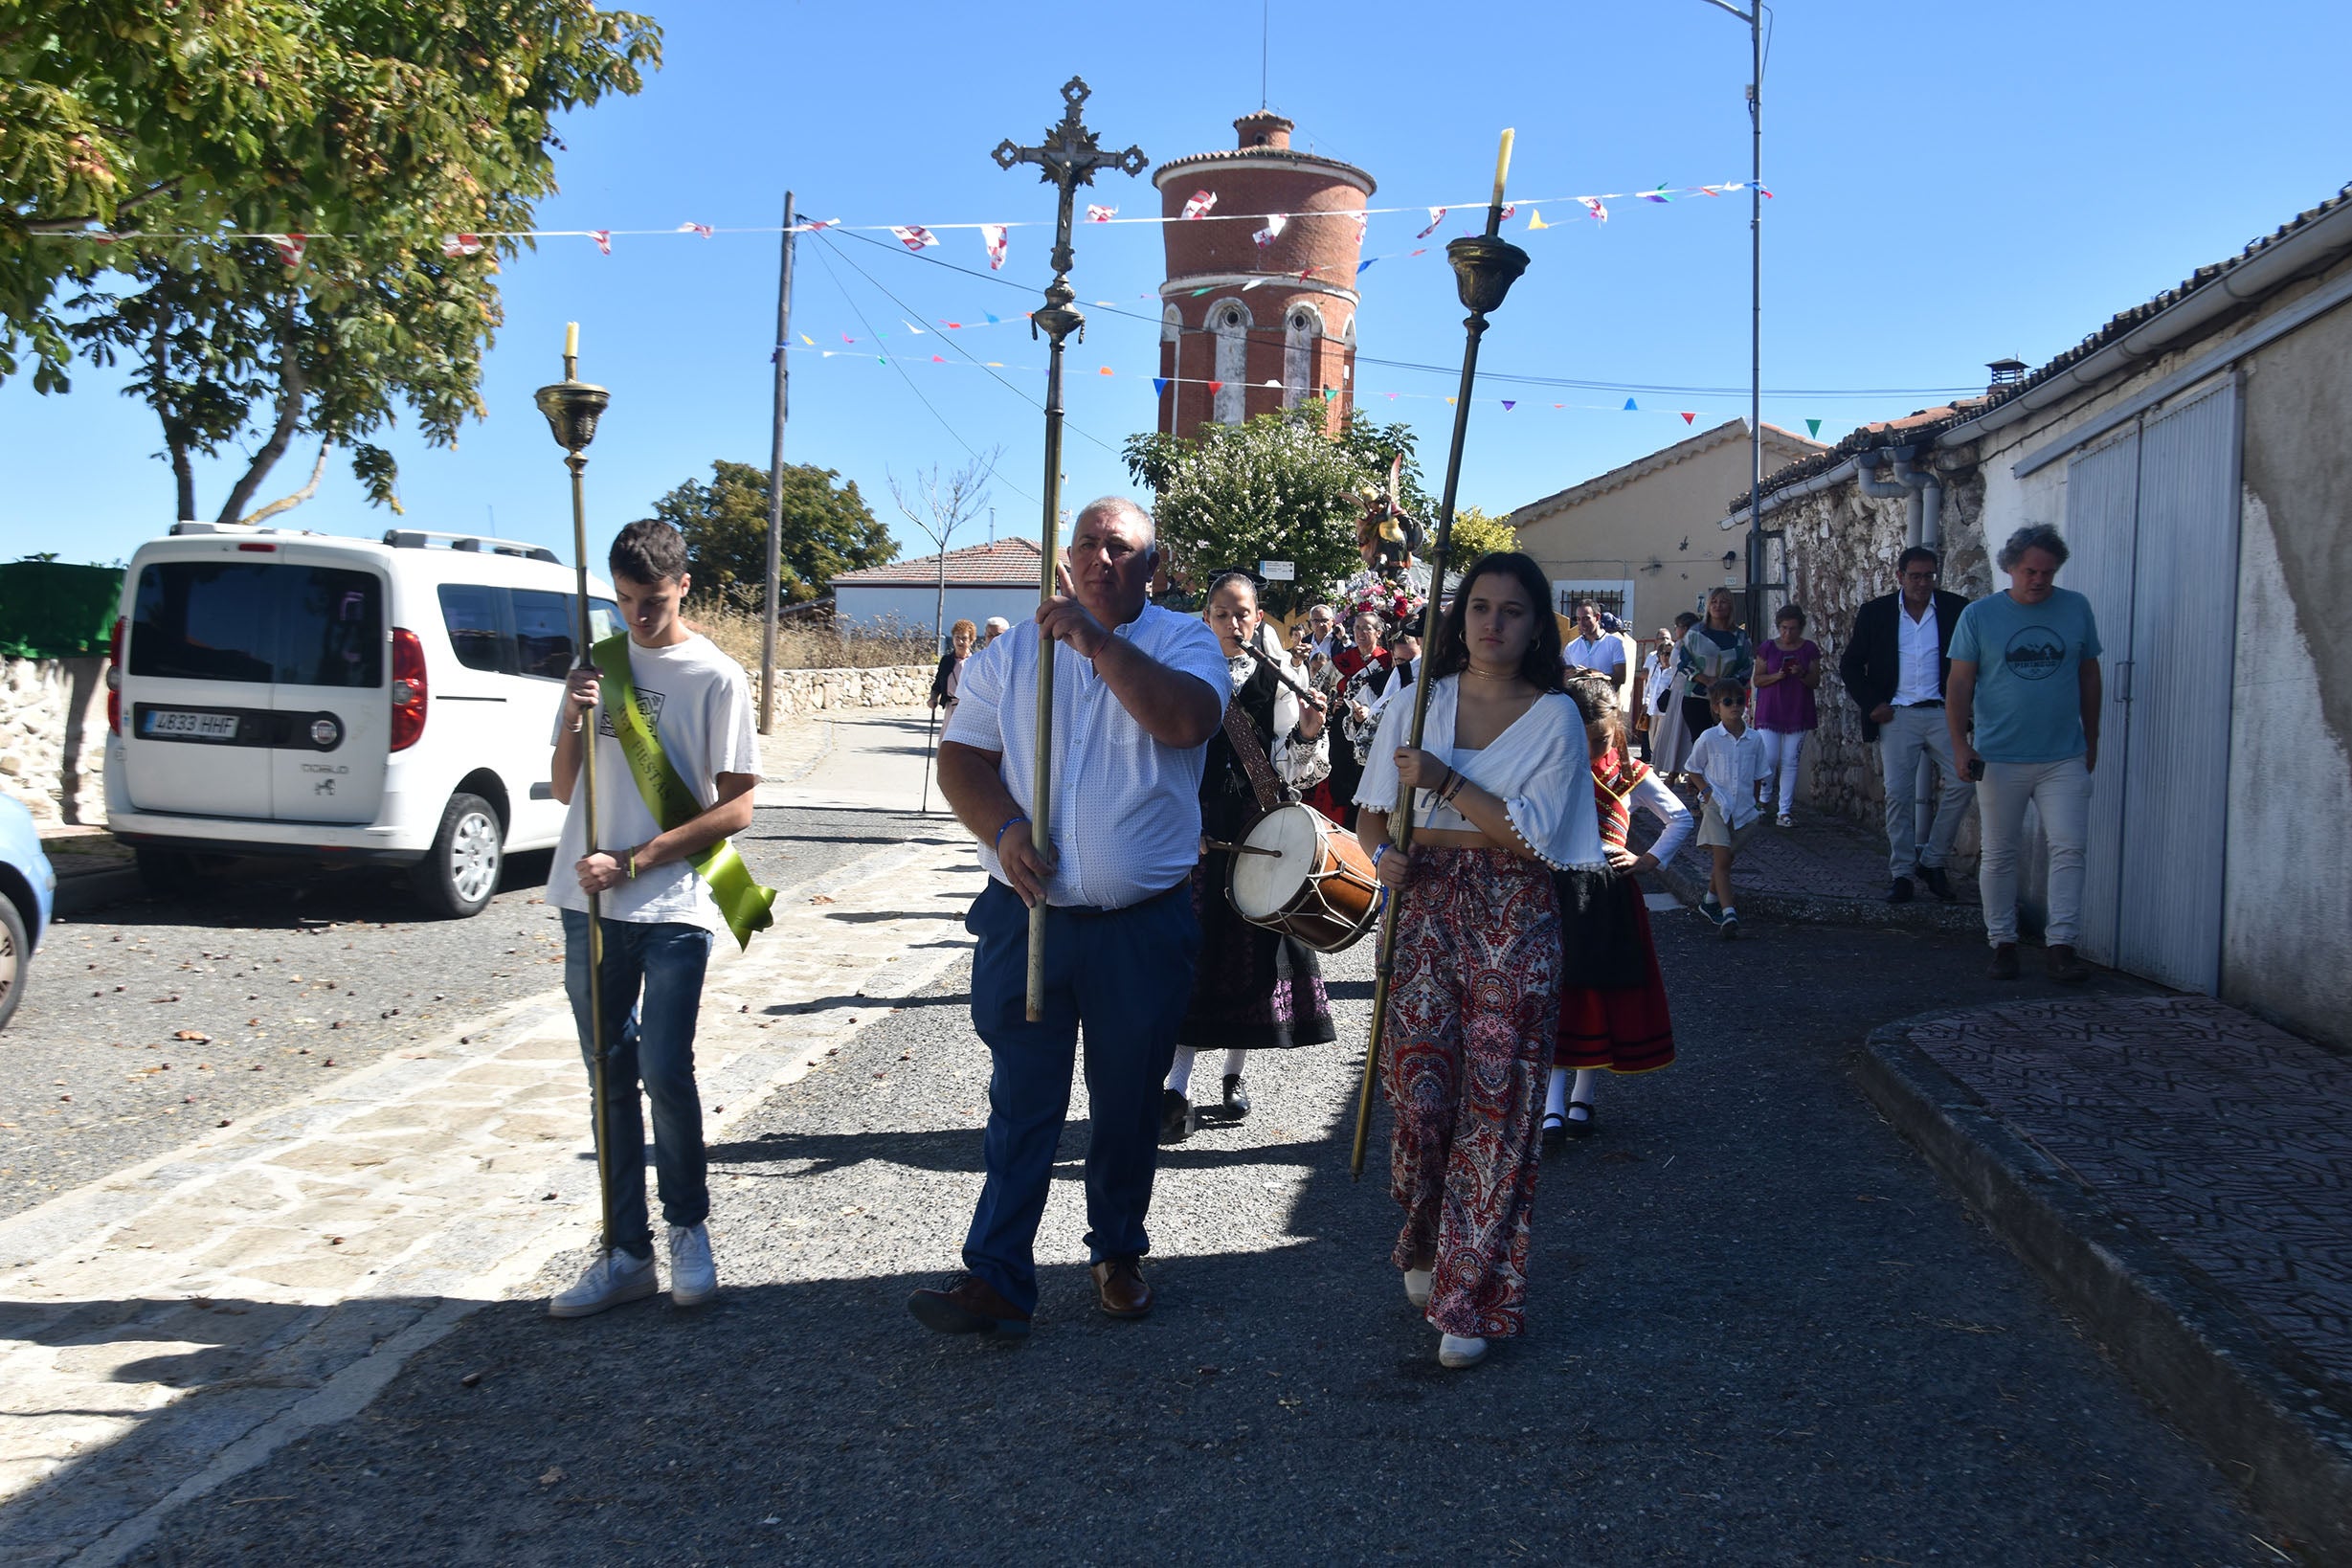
[1759, 1333]
[284, 977]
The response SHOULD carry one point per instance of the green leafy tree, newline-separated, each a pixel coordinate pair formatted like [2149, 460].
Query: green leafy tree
[144, 143]
[1477, 533]
[1273, 487]
[826, 531]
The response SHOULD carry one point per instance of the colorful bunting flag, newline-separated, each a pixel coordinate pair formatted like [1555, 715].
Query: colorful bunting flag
[1330, 392]
[703, 229]
[1366, 263]
[810, 341]
[1511, 211]
[1767, 194]
[457, 245]
[939, 359]
[847, 338]
[603, 238]
[1688, 417]
[1106, 371]
[1812, 427]
[1535, 219]
[1632, 407]
[1658, 195]
[1096, 213]
[1437, 216]
[1509, 404]
[1273, 231]
[290, 247]
[1449, 402]
[914, 238]
[910, 326]
[1199, 204]
[1592, 205]
[1216, 387]
[991, 317]
[1160, 386]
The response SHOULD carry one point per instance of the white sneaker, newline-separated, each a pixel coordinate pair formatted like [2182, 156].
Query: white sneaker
[694, 1278]
[1417, 1286]
[1454, 1351]
[614, 1277]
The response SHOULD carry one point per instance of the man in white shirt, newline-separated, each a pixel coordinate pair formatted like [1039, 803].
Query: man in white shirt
[658, 912]
[1323, 625]
[1138, 691]
[1594, 649]
[1629, 664]
[1894, 668]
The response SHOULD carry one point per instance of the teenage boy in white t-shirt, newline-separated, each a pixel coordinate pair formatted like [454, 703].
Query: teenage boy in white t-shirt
[659, 914]
[1733, 768]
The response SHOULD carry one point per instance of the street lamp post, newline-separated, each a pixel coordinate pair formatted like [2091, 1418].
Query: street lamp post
[1753, 16]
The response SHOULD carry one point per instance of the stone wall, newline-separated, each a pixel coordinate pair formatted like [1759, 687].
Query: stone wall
[1842, 550]
[52, 737]
[811, 692]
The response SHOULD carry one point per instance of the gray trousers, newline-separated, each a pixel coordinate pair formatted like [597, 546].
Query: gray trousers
[1912, 733]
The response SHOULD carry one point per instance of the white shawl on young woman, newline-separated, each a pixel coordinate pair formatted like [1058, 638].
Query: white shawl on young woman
[1541, 769]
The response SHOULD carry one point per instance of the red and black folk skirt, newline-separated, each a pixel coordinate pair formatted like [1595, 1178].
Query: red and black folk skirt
[1612, 1000]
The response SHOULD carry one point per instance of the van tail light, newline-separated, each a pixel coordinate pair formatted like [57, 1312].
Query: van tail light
[114, 678]
[408, 689]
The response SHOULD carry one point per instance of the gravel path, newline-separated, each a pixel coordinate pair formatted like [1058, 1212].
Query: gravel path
[1759, 1333]
[287, 977]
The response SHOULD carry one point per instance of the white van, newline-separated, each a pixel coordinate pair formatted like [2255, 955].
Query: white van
[277, 692]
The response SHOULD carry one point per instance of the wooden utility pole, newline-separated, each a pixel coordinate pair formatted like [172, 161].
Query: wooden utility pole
[776, 475]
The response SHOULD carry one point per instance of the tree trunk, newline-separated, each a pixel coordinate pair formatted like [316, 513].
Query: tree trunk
[292, 389]
[287, 503]
[183, 473]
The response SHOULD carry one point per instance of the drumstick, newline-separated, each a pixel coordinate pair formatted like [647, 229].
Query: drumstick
[1280, 674]
[1243, 849]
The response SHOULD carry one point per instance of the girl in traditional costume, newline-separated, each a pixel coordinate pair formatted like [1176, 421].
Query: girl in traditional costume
[1474, 998]
[1613, 1013]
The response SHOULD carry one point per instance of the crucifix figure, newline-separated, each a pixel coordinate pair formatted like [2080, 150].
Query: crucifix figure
[1069, 156]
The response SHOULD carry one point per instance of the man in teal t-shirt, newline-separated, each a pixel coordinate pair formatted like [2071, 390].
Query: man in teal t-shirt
[2024, 710]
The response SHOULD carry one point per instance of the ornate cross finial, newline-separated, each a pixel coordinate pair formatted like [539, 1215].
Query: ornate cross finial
[1068, 157]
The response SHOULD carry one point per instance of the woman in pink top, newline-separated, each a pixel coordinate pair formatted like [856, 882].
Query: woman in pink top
[1787, 669]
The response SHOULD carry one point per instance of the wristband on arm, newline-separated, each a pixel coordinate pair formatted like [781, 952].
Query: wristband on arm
[1008, 822]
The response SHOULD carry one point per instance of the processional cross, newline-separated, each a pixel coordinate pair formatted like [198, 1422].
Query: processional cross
[1068, 157]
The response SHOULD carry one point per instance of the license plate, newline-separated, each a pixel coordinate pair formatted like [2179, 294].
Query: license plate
[180, 724]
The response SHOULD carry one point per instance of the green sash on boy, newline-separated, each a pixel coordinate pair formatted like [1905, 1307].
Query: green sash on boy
[744, 902]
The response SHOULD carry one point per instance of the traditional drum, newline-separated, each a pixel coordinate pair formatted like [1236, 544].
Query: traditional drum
[1306, 876]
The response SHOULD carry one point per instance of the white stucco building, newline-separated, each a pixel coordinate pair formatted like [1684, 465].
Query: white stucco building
[1000, 578]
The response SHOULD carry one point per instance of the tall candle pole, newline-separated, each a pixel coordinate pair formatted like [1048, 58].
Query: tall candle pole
[1484, 267]
[573, 408]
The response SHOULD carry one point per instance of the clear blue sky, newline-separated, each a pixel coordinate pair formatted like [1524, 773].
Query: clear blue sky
[1953, 182]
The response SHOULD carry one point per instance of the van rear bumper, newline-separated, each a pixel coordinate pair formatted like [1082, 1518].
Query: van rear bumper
[307, 840]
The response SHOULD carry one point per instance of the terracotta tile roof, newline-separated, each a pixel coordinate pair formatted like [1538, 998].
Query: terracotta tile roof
[1006, 563]
[1928, 423]
[1287, 155]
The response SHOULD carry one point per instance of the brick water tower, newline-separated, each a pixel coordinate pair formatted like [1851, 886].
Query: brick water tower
[1249, 325]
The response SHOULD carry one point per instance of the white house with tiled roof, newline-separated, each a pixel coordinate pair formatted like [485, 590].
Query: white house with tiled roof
[997, 578]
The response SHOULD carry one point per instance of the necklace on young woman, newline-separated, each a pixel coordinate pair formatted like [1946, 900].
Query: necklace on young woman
[1489, 675]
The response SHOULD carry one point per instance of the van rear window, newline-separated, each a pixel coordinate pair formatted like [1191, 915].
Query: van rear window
[259, 622]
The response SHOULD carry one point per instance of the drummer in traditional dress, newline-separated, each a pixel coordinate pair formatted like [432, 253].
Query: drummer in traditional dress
[1474, 996]
[1253, 989]
[1613, 1014]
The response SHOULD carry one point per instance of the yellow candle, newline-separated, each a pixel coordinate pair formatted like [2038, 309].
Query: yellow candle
[571, 329]
[1502, 166]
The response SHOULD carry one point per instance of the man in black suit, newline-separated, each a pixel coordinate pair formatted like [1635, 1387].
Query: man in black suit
[1896, 665]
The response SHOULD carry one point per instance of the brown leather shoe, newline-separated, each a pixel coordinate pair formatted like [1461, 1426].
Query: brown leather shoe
[2064, 967]
[967, 1304]
[1119, 1287]
[2005, 961]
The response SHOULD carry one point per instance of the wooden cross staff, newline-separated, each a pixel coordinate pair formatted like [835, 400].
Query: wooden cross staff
[1069, 155]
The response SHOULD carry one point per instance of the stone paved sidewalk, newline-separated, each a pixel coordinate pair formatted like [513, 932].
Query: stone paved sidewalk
[289, 1265]
[1824, 870]
[2184, 1172]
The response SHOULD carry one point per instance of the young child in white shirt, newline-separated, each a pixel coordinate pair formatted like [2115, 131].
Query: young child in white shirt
[1733, 768]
